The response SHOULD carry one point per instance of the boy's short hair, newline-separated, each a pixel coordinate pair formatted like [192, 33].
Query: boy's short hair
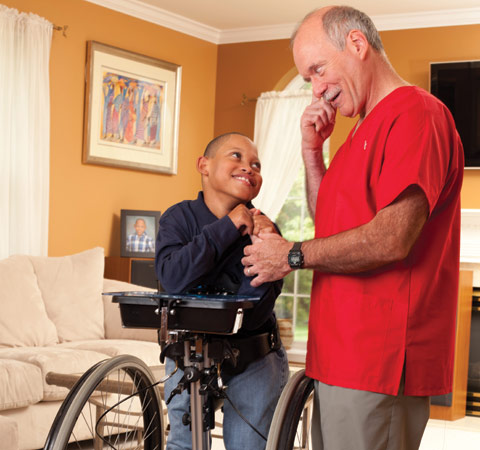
[215, 143]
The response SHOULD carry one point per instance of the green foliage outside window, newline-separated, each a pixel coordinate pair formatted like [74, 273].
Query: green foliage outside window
[296, 225]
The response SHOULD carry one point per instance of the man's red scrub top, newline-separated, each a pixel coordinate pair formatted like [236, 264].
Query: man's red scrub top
[364, 328]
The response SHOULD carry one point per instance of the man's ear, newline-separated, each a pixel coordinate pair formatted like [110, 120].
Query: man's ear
[202, 165]
[357, 43]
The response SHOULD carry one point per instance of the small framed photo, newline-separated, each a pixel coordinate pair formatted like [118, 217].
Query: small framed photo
[131, 110]
[138, 233]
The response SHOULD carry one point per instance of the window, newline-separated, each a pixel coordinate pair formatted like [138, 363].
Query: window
[296, 224]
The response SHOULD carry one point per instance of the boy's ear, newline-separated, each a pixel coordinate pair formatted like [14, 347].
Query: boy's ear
[202, 165]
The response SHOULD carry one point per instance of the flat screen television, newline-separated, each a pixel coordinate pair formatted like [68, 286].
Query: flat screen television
[457, 84]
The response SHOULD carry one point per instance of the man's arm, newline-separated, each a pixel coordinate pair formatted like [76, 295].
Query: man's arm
[314, 171]
[387, 238]
[316, 124]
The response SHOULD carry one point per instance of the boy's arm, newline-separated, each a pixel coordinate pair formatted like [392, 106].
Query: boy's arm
[182, 257]
[268, 293]
[264, 290]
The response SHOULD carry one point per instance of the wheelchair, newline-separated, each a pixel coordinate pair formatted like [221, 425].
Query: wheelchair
[118, 404]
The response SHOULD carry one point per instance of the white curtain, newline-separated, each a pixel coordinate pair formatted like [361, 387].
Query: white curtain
[25, 41]
[278, 138]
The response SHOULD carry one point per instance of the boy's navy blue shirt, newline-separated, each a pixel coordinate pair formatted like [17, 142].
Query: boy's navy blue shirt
[195, 248]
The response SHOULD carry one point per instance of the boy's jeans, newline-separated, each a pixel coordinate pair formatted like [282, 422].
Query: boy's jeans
[254, 392]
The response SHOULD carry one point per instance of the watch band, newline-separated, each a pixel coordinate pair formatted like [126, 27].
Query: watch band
[295, 256]
[297, 247]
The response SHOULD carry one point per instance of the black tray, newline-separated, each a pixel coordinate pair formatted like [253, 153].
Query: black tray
[216, 314]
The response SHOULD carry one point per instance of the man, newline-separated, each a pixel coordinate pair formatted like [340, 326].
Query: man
[140, 241]
[386, 247]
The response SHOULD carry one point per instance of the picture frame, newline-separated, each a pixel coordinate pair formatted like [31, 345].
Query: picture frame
[138, 248]
[132, 107]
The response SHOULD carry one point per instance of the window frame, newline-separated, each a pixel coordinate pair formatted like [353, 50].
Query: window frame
[298, 349]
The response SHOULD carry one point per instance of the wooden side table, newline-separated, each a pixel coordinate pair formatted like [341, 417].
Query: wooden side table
[139, 271]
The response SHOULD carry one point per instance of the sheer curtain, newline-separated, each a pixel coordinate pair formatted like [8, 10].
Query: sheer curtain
[25, 41]
[278, 138]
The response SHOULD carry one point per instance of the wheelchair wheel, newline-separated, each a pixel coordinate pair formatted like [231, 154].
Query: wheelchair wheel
[291, 423]
[92, 411]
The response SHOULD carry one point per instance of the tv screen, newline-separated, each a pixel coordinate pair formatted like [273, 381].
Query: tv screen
[457, 84]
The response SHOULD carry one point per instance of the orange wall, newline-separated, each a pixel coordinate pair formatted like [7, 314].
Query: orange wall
[248, 68]
[257, 67]
[85, 199]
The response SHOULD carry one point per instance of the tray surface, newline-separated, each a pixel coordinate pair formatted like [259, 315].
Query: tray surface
[185, 300]
[217, 314]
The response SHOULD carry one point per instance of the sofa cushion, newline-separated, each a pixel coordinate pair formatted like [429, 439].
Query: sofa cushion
[23, 318]
[54, 359]
[149, 352]
[9, 433]
[71, 288]
[20, 384]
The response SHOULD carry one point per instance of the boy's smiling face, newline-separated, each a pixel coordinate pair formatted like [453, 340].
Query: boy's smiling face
[140, 226]
[232, 174]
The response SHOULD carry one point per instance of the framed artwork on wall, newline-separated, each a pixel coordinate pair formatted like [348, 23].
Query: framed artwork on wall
[131, 110]
[138, 231]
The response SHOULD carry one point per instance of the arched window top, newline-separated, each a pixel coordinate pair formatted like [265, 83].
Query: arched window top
[298, 83]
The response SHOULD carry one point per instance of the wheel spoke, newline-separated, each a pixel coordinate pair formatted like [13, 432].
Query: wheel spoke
[125, 423]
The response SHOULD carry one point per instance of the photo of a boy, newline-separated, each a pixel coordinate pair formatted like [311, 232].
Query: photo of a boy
[199, 248]
[140, 241]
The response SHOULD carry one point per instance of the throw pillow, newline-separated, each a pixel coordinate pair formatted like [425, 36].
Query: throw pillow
[23, 319]
[71, 288]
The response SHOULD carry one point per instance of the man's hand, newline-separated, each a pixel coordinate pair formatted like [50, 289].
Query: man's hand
[242, 218]
[317, 123]
[261, 223]
[267, 258]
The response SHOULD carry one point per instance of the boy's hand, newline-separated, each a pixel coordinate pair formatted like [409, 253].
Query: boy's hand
[261, 223]
[242, 218]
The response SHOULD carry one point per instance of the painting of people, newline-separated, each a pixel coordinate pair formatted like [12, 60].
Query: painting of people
[131, 111]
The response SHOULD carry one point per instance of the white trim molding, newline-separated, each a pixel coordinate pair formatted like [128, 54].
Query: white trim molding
[164, 18]
[428, 19]
[470, 243]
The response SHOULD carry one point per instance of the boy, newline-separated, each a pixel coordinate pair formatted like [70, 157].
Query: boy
[140, 241]
[199, 246]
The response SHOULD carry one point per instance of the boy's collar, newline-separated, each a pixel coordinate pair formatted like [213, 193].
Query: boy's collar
[201, 198]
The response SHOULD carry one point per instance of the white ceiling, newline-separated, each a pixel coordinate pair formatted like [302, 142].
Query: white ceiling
[225, 21]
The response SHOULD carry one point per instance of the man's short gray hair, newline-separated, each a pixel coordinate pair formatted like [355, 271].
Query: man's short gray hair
[338, 21]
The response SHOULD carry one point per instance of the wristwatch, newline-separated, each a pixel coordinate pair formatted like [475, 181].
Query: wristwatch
[295, 256]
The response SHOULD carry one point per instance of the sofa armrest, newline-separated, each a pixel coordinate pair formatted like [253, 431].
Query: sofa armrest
[112, 320]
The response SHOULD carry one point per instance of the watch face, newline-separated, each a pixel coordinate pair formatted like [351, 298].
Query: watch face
[295, 256]
[295, 259]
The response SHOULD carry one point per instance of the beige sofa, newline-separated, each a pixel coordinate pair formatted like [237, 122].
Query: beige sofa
[53, 318]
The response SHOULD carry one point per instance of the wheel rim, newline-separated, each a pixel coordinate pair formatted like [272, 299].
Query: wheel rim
[113, 406]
